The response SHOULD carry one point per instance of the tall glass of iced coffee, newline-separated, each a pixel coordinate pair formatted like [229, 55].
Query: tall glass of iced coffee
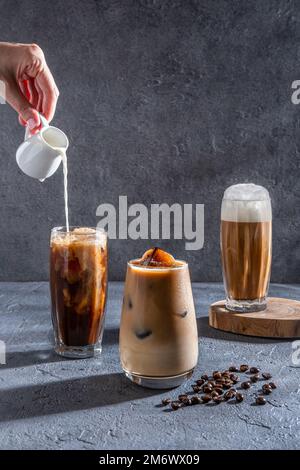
[246, 246]
[78, 282]
[158, 333]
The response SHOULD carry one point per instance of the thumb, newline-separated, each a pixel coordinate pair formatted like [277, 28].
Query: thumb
[27, 114]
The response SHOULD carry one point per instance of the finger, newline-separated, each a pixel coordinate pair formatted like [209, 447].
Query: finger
[24, 90]
[17, 100]
[34, 96]
[34, 129]
[50, 91]
[34, 101]
[28, 89]
[40, 95]
[24, 87]
[22, 122]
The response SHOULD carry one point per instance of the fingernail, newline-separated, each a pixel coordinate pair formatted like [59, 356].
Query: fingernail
[31, 123]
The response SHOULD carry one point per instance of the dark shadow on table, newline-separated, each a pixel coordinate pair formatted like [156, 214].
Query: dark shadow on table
[33, 357]
[82, 393]
[207, 331]
[110, 336]
[15, 359]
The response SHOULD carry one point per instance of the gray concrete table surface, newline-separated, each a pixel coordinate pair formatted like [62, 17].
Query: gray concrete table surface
[47, 402]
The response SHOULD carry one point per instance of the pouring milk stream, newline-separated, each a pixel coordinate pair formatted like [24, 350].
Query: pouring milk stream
[40, 155]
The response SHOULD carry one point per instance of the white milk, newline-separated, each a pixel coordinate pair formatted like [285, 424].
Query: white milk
[65, 171]
[50, 138]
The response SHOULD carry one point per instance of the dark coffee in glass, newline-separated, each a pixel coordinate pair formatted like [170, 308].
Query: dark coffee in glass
[78, 282]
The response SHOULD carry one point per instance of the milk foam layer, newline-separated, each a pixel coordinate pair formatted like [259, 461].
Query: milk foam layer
[79, 235]
[246, 203]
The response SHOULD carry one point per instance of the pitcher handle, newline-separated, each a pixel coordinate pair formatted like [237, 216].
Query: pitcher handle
[44, 123]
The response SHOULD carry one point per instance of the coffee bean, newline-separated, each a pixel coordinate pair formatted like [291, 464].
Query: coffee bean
[175, 405]
[214, 386]
[239, 397]
[260, 400]
[182, 397]
[187, 402]
[200, 382]
[221, 381]
[234, 378]
[207, 388]
[196, 400]
[266, 375]
[267, 389]
[218, 385]
[230, 394]
[217, 374]
[217, 400]
[245, 385]
[226, 374]
[227, 384]
[166, 401]
[226, 377]
[266, 386]
[206, 398]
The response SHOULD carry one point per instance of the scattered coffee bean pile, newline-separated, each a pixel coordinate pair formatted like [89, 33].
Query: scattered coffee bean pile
[223, 386]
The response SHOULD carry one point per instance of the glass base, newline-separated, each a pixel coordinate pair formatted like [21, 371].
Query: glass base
[78, 352]
[244, 306]
[159, 382]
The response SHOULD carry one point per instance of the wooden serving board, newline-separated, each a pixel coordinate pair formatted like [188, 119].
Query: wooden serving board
[281, 319]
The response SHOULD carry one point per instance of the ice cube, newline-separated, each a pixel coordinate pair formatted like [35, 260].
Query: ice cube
[142, 333]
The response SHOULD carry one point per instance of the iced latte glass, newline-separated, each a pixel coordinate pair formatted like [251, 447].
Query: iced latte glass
[158, 333]
[78, 283]
[246, 246]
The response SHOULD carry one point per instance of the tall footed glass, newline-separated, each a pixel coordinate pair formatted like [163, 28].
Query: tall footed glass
[158, 332]
[246, 246]
[78, 283]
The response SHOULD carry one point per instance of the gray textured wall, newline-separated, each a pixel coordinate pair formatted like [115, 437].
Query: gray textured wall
[164, 101]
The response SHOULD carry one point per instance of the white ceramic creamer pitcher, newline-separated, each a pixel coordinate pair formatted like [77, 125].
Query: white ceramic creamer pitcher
[40, 155]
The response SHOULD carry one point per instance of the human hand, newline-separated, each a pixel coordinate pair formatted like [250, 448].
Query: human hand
[29, 85]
